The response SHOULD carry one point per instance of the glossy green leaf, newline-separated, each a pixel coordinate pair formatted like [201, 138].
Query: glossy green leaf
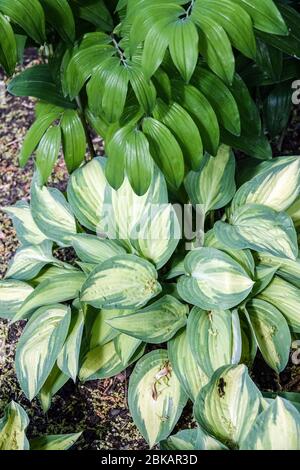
[73, 139]
[28, 14]
[59, 15]
[184, 47]
[47, 152]
[8, 46]
[139, 163]
[265, 15]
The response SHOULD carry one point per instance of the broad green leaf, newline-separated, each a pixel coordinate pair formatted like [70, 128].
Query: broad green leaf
[249, 113]
[165, 150]
[276, 428]
[115, 92]
[214, 280]
[60, 288]
[188, 372]
[27, 231]
[228, 406]
[124, 281]
[202, 113]
[52, 213]
[73, 139]
[286, 298]
[294, 213]
[59, 14]
[86, 193]
[156, 323]
[139, 163]
[221, 100]
[12, 294]
[215, 46]
[39, 346]
[234, 19]
[36, 132]
[116, 163]
[265, 15]
[8, 46]
[184, 129]
[68, 358]
[286, 268]
[93, 249]
[144, 89]
[155, 397]
[214, 338]
[155, 46]
[257, 146]
[184, 47]
[271, 333]
[55, 381]
[213, 186]
[47, 152]
[159, 234]
[54, 442]
[28, 14]
[277, 185]
[12, 428]
[259, 228]
[96, 13]
[37, 81]
[29, 260]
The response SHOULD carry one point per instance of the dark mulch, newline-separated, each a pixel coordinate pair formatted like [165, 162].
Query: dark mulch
[99, 407]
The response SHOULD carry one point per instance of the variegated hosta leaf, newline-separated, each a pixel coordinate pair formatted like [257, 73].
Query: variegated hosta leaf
[214, 280]
[294, 213]
[190, 375]
[129, 209]
[259, 228]
[54, 442]
[27, 231]
[126, 346]
[29, 260]
[102, 362]
[243, 257]
[286, 298]
[50, 272]
[286, 268]
[276, 428]
[93, 249]
[12, 428]
[191, 439]
[87, 190]
[159, 234]
[155, 397]
[124, 281]
[276, 185]
[12, 295]
[39, 346]
[68, 359]
[55, 289]
[228, 406]
[52, 214]
[155, 323]
[213, 185]
[271, 332]
[215, 338]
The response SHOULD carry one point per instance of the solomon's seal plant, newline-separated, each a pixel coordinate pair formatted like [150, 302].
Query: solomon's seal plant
[134, 284]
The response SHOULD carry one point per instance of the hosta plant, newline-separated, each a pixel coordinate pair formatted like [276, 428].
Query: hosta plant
[231, 413]
[142, 279]
[13, 427]
[161, 81]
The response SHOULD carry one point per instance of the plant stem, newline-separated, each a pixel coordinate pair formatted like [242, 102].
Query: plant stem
[84, 123]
